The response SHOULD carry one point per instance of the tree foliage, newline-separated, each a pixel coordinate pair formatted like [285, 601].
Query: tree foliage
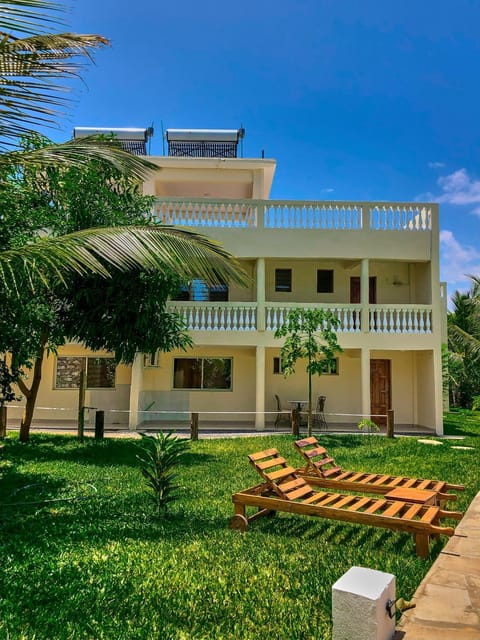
[309, 334]
[464, 345]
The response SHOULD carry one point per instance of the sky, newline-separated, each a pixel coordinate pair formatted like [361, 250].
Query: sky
[355, 99]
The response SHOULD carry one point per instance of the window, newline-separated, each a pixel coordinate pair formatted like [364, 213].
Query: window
[100, 372]
[324, 280]
[331, 369]
[199, 291]
[283, 279]
[202, 373]
[277, 365]
[151, 359]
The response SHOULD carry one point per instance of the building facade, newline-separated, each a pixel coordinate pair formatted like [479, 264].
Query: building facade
[375, 265]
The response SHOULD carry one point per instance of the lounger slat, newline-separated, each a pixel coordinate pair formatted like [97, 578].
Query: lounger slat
[321, 463]
[423, 484]
[262, 454]
[273, 462]
[345, 475]
[306, 441]
[378, 504]
[368, 479]
[393, 509]
[281, 473]
[412, 511]
[396, 481]
[409, 483]
[331, 498]
[356, 476]
[344, 501]
[299, 493]
[430, 514]
[318, 451]
[359, 504]
[381, 480]
[315, 497]
[331, 471]
[292, 484]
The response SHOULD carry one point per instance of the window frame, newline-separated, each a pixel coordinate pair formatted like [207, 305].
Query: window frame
[283, 288]
[85, 367]
[202, 387]
[330, 279]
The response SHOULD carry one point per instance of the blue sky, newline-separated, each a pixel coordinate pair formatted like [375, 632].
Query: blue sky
[355, 99]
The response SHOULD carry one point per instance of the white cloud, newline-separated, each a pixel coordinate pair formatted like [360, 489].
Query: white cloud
[327, 190]
[457, 261]
[436, 165]
[459, 188]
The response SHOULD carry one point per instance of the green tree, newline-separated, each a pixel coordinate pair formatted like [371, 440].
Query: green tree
[124, 313]
[309, 335]
[464, 345]
[34, 265]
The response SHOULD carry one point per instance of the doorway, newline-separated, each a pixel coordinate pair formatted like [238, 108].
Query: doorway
[380, 390]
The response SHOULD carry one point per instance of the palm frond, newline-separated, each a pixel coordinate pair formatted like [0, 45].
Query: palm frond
[188, 254]
[78, 152]
[30, 94]
[28, 16]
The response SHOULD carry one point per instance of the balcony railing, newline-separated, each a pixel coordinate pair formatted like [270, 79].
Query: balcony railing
[293, 214]
[233, 316]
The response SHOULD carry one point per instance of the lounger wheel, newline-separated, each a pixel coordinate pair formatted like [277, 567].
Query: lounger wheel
[238, 523]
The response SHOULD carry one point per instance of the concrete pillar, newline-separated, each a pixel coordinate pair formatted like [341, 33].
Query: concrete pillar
[359, 605]
[260, 389]
[260, 294]
[135, 388]
[364, 295]
[365, 381]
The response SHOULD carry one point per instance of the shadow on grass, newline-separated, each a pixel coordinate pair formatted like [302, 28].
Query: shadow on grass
[462, 422]
[60, 448]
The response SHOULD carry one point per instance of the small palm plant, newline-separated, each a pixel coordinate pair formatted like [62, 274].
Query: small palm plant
[161, 454]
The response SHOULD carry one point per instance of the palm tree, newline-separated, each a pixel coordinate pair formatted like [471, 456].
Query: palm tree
[464, 342]
[33, 67]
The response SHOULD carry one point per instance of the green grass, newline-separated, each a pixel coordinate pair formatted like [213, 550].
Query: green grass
[103, 567]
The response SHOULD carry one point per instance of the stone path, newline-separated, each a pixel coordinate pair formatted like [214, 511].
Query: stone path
[448, 598]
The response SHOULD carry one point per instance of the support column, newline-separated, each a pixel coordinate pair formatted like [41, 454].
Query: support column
[260, 389]
[135, 388]
[260, 294]
[364, 295]
[438, 386]
[365, 381]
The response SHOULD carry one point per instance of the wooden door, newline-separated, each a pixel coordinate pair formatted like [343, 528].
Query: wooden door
[380, 390]
[355, 290]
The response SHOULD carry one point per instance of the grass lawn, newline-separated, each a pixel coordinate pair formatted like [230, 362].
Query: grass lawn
[104, 567]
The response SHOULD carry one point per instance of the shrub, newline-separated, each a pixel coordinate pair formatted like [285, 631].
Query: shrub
[161, 454]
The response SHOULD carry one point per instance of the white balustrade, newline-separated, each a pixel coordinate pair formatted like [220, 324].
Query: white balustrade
[292, 214]
[207, 316]
[400, 319]
[231, 316]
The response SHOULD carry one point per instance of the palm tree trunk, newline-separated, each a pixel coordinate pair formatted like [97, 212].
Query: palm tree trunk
[31, 394]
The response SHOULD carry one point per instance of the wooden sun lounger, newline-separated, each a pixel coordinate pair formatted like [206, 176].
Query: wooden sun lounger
[321, 470]
[284, 490]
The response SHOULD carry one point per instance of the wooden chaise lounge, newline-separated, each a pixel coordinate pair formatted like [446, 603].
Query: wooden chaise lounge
[321, 470]
[284, 490]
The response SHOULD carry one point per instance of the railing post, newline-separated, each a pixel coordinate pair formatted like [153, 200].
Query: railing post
[194, 427]
[390, 423]
[99, 425]
[295, 421]
[3, 422]
[81, 405]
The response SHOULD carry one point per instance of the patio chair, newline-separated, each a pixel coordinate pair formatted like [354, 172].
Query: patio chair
[283, 489]
[322, 470]
[319, 415]
[281, 415]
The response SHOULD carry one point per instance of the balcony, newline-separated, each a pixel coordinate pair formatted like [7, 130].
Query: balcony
[294, 214]
[246, 316]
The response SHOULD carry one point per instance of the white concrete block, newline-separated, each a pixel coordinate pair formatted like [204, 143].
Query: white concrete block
[359, 601]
